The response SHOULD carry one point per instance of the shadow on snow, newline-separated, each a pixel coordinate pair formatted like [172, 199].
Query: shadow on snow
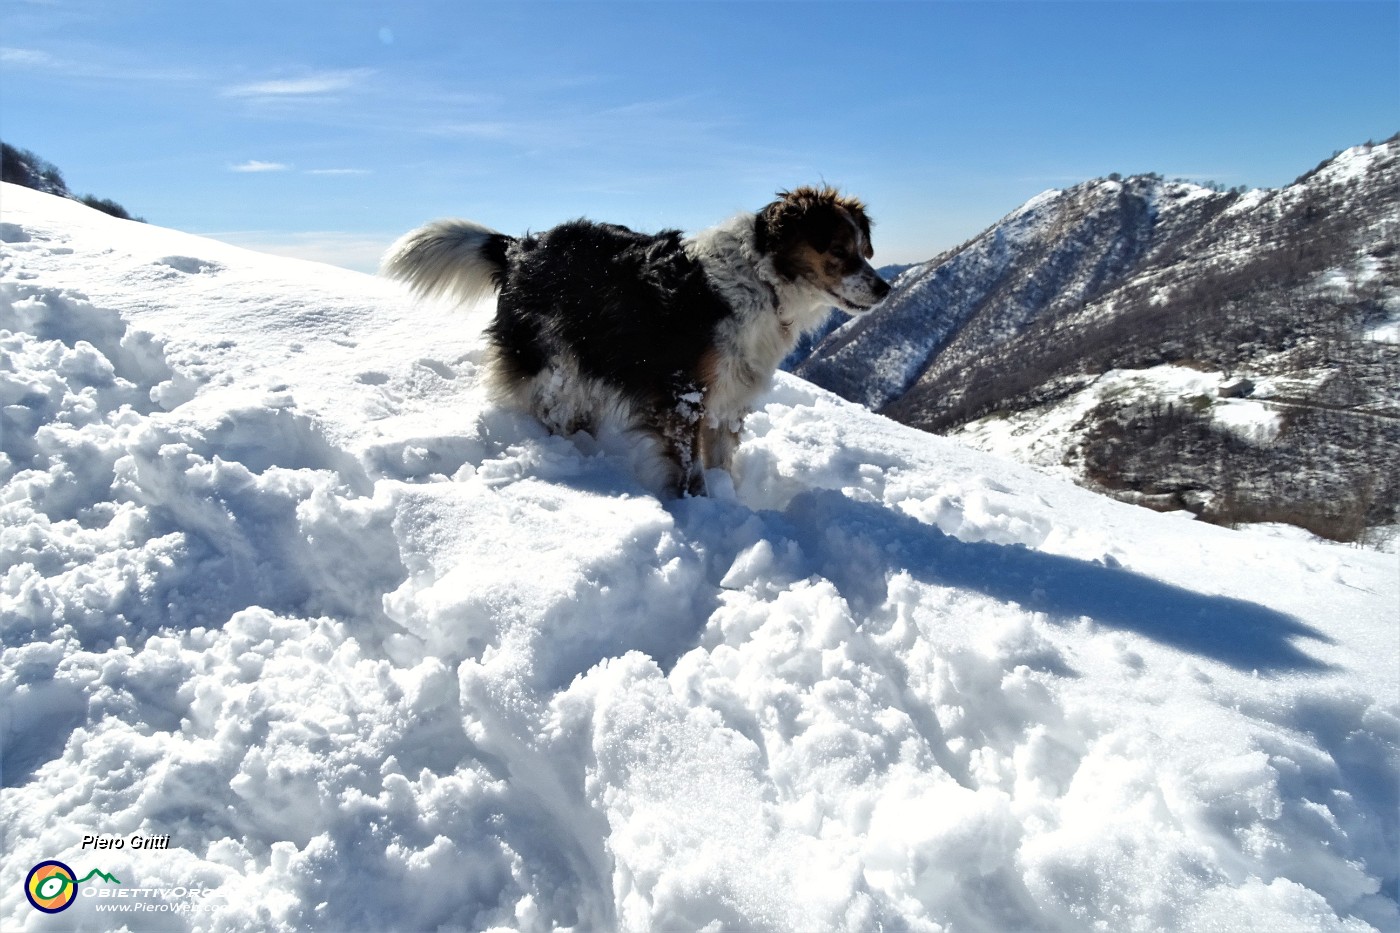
[858, 546]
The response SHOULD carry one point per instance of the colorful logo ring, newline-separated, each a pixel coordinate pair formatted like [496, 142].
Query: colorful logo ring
[51, 886]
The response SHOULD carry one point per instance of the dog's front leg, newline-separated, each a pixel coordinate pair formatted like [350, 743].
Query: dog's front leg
[718, 438]
[679, 425]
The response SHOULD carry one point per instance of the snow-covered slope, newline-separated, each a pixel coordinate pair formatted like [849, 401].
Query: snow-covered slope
[280, 584]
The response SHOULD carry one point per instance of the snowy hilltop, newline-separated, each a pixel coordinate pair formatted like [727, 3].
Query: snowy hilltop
[280, 587]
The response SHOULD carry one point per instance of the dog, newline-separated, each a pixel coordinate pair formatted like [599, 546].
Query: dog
[669, 335]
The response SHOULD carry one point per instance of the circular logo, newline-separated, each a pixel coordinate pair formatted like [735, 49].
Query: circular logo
[51, 886]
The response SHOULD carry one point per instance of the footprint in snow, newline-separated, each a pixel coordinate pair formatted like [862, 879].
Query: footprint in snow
[441, 368]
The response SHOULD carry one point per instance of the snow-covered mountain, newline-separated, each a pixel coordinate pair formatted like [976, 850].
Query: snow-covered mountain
[280, 588]
[1289, 297]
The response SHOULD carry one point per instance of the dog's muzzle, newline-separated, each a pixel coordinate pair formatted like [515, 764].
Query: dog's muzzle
[872, 290]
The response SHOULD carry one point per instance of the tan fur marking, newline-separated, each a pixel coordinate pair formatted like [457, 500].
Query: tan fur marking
[707, 372]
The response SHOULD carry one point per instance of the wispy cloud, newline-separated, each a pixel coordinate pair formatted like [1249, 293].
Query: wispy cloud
[25, 58]
[688, 123]
[94, 64]
[316, 84]
[257, 165]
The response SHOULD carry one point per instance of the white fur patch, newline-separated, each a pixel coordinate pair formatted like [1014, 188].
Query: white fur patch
[770, 314]
[566, 402]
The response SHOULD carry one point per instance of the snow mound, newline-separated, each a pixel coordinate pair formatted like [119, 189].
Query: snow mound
[280, 583]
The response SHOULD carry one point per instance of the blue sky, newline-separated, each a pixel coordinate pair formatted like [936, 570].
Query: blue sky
[324, 129]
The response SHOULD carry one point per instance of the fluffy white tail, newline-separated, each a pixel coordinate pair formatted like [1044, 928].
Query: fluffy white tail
[456, 259]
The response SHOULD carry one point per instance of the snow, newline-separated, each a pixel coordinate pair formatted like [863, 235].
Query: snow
[1251, 419]
[1387, 332]
[1352, 163]
[1044, 437]
[280, 582]
[1046, 197]
[1250, 201]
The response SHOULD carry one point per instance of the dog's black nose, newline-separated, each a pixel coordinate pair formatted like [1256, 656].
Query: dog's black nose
[882, 288]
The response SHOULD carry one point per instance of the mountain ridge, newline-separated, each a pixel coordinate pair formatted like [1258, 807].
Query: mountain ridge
[1296, 288]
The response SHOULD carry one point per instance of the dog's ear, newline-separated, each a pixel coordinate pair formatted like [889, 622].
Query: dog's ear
[776, 234]
[801, 216]
[769, 227]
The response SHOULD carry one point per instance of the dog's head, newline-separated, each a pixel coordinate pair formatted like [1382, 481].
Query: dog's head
[820, 237]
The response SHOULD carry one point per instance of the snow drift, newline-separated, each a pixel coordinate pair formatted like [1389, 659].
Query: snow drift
[280, 583]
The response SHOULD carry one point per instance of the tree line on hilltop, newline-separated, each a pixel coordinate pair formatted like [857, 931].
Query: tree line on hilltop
[22, 167]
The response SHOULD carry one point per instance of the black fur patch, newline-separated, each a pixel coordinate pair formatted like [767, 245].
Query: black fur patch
[632, 309]
[494, 252]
